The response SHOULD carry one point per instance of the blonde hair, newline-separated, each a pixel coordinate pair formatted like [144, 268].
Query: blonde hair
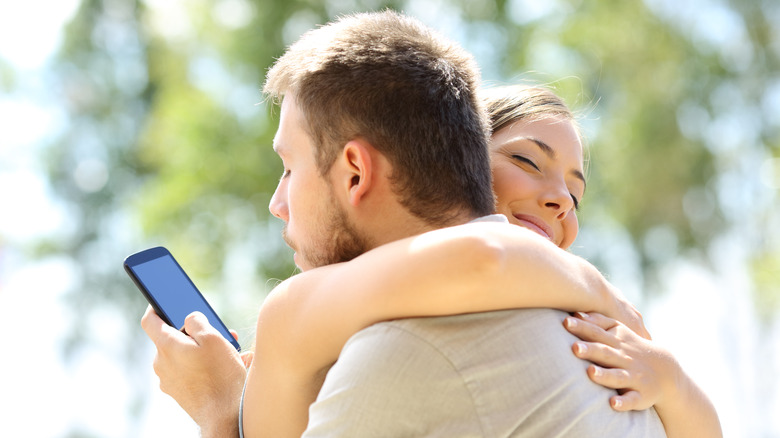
[512, 103]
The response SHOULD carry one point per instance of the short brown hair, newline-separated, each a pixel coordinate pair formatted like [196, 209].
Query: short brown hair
[410, 92]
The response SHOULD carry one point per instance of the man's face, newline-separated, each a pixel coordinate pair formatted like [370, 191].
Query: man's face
[316, 227]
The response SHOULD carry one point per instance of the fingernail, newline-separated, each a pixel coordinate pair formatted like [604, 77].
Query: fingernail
[581, 348]
[570, 322]
[617, 403]
[582, 315]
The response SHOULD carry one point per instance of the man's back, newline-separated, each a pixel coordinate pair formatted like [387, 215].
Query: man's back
[494, 374]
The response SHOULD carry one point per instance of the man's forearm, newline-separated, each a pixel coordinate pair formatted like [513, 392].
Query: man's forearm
[223, 429]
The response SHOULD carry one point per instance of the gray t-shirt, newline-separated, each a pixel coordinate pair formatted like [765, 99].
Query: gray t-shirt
[494, 374]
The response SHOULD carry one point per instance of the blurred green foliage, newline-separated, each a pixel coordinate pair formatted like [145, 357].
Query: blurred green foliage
[168, 137]
[165, 95]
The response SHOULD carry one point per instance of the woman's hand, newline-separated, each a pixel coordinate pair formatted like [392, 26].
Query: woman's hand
[642, 372]
[626, 313]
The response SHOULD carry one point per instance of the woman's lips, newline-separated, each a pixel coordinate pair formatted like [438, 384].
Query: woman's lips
[535, 224]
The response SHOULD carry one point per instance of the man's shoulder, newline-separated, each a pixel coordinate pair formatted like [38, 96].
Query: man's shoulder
[500, 324]
[517, 339]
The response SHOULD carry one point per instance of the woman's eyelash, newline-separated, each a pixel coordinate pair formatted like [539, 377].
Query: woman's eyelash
[525, 160]
[532, 164]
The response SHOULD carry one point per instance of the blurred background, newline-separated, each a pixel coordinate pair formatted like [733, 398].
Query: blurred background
[126, 124]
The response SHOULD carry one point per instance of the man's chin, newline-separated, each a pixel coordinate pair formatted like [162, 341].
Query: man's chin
[299, 262]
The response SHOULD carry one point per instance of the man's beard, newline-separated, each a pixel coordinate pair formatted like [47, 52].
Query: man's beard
[338, 240]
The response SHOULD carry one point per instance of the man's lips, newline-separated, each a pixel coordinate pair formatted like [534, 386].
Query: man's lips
[535, 224]
[287, 239]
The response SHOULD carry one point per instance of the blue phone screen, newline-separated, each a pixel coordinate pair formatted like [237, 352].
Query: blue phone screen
[174, 292]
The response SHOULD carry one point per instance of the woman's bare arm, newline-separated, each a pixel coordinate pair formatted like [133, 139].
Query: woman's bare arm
[307, 319]
[645, 374]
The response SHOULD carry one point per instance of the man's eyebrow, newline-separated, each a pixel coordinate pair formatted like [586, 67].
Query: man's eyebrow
[550, 152]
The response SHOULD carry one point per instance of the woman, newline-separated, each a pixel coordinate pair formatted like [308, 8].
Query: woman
[537, 163]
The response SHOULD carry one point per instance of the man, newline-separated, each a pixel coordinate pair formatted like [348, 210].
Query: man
[382, 137]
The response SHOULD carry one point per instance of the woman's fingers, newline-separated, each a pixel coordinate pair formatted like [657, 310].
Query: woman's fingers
[601, 354]
[605, 322]
[632, 396]
[628, 401]
[615, 378]
[588, 331]
[247, 357]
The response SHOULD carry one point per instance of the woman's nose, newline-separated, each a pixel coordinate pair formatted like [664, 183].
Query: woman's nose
[559, 200]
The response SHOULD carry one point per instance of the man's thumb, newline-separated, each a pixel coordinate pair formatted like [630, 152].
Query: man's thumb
[196, 323]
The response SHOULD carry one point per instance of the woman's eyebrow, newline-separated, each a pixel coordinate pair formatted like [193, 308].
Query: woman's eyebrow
[579, 175]
[546, 148]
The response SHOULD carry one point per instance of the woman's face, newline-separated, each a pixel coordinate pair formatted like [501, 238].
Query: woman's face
[538, 176]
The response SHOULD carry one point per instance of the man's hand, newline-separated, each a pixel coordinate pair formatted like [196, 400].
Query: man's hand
[200, 370]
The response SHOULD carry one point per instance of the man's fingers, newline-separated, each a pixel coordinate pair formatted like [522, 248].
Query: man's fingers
[163, 335]
[196, 323]
[234, 334]
[152, 324]
[197, 326]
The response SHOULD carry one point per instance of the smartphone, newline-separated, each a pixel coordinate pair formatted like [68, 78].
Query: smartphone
[169, 290]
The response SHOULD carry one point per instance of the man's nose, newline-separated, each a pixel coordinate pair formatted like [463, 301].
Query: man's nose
[278, 205]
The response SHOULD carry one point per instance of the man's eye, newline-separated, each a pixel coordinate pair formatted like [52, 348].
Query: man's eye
[526, 161]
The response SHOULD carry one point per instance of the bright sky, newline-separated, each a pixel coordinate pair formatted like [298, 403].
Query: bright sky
[30, 29]
[30, 32]
[40, 392]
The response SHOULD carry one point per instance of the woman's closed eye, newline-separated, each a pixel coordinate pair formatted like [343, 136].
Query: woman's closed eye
[526, 160]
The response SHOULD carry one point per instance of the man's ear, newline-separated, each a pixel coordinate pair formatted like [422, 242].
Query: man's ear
[359, 167]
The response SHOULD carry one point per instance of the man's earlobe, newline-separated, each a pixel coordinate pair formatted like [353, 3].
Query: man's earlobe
[357, 156]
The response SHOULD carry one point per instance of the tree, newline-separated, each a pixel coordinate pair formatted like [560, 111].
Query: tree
[169, 137]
